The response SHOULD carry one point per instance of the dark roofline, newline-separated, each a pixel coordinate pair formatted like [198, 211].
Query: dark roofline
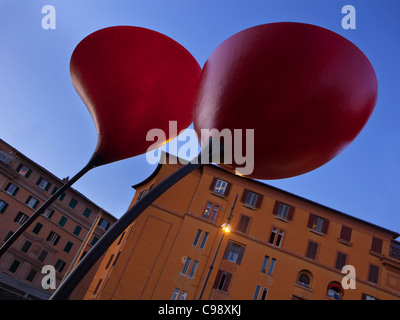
[393, 233]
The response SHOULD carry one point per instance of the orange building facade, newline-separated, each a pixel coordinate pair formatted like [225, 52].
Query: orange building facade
[53, 239]
[281, 246]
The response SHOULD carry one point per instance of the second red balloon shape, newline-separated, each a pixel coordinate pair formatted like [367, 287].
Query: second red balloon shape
[306, 91]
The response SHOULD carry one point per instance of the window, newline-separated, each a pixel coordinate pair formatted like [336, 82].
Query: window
[304, 279]
[104, 224]
[21, 218]
[68, 247]
[272, 266]
[264, 265]
[32, 202]
[365, 296]
[234, 252]
[335, 290]
[222, 281]
[257, 293]
[175, 294]
[376, 245]
[11, 189]
[341, 260]
[220, 187]
[197, 237]
[3, 206]
[373, 274]
[49, 213]
[77, 230]
[264, 294]
[94, 241]
[275, 237]
[211, 211]
[312, 250]
[183, 295]
[87, 212]
[59, 266]
[62, 196]
[318, 224]
[251, 198]
[62, 221]
[345, 234]
[193, 269]
[53, 238]
[14, 266]
[37, 228]
[283, 211]
[394, 251]
[31, 275]
[186, 266]
[204, 241]
[73, 202]
[244, 223]
[42, 255]
[26, 246]
[43, 184]
[23, 170]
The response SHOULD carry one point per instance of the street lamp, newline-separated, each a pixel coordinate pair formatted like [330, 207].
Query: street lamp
[226, 228]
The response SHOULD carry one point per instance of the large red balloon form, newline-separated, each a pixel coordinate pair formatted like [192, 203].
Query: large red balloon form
[306, 91]
[132, 80]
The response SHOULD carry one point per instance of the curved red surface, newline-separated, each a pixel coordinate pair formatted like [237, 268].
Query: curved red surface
[133, 80]
[306, 91]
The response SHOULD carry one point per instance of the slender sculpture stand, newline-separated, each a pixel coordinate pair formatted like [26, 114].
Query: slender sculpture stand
[68, 285]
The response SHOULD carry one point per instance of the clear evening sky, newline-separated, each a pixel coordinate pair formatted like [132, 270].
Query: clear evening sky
[43, 117]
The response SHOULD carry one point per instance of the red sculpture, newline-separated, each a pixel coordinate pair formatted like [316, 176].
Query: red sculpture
[306, 91]
[132, 80]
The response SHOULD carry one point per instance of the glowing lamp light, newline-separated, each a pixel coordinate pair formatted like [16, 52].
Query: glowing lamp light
[226, 227]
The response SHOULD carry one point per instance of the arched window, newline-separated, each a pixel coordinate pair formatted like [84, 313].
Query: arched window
[304, 278]
[335, 290]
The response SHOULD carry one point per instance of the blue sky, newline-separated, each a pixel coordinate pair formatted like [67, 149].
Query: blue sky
[43, 117]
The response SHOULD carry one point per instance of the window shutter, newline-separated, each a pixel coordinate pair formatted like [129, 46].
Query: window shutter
[228, 189]
[213, 183]
[376, 245]
[373, 275]
[240, 256]
[243, 223]
[217, 279]
[244, 195]
[311, 220]
[227, 282]
[340, 260]
[56, 241]
[325, 226]
[290, 213]
[276, 207]
[345, 233]
[312, 250]
[259, 200]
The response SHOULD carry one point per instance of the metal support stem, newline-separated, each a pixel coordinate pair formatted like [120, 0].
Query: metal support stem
[68, 285]
[41, 210]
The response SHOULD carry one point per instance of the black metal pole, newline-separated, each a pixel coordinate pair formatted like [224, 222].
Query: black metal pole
[211, 267]
[69, 284]
[44, 206]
